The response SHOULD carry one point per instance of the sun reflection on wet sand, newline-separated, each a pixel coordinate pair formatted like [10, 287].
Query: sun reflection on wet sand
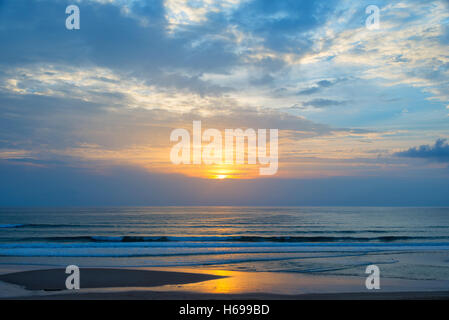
[235, 282]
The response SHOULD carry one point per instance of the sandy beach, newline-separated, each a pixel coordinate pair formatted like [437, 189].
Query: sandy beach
[137, 295]
[129, 284]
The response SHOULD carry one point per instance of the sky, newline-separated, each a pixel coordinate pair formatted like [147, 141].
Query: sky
[86, 115]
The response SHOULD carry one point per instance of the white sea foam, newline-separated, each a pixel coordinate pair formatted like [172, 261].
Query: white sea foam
[142, 249]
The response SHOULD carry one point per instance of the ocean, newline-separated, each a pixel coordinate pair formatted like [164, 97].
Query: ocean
[406, 243]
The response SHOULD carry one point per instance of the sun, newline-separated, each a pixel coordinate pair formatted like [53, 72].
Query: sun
[221, 176]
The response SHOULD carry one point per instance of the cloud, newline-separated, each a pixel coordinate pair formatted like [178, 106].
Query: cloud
[319, 85]
[46, 128]
[114, 40]
[444, 38]
[137, 69]
[283, 26]
[181, 12]
[409, 48]
[438, 152]
[323, 103]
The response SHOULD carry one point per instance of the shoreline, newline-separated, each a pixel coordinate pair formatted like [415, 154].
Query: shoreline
[158, 295]
[200, 284]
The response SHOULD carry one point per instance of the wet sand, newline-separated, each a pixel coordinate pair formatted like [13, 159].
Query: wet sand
[54, 279]
[152, 295]
[136, 284]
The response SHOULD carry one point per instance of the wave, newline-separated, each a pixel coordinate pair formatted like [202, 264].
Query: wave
[41, 225]
[279, 239]
[198, 249]
[153, 226]
[107, 246]
[5, 226]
